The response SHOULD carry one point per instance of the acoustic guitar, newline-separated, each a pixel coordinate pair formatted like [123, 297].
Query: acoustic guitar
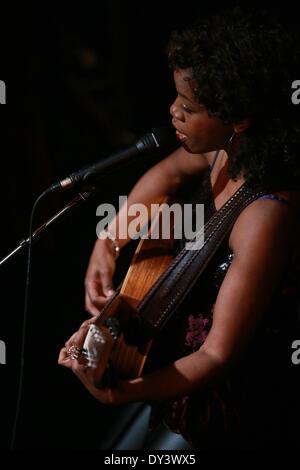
[118, 342]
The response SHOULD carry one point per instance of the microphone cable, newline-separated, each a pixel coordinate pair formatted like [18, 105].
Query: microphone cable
[24, 325]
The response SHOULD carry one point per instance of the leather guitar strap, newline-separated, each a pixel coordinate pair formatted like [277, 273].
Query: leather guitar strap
[168, 292]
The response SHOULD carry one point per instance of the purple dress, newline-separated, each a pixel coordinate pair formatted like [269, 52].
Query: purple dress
[253, 407]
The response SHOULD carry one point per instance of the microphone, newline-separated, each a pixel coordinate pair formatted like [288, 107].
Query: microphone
[153, 140]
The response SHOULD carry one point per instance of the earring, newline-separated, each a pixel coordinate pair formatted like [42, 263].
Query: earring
[229, 145]
[231, 138]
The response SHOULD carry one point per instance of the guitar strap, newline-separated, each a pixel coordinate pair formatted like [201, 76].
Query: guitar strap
[168, 292]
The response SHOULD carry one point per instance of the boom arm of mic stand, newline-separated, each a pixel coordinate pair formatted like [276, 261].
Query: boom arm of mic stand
[85, 194]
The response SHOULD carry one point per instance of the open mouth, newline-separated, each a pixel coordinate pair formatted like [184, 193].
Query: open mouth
[180, 136]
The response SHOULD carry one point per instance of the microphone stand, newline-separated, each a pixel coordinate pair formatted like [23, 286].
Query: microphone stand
[85, 194]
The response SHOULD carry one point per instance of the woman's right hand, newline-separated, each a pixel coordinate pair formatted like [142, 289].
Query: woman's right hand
[99, 276]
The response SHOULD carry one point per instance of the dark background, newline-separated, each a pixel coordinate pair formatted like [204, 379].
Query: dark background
[82, 82]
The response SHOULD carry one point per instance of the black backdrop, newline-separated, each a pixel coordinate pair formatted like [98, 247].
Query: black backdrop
[82, 82]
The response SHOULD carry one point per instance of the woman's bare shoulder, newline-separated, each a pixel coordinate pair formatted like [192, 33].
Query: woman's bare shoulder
[266, 224]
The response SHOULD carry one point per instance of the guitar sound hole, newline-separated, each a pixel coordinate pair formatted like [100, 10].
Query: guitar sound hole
[134, 333]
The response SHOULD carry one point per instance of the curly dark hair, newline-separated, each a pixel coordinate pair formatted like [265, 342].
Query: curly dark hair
[244, 64]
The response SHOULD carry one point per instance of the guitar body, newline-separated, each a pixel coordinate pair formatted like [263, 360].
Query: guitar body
[117, 342]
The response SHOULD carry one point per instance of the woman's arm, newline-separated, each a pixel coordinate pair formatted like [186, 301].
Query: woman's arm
[165, 178]
[262, 240]
[161, 180]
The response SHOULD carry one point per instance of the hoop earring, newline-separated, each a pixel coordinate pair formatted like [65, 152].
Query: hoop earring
[229, 145]
[231, 139]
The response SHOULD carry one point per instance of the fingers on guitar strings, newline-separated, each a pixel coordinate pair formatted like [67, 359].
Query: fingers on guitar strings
[74, 352]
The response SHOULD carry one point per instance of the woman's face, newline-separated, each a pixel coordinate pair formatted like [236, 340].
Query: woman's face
[196, 130]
